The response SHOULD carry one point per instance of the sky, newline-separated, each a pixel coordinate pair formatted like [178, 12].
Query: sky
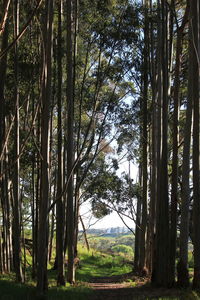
[112, 220]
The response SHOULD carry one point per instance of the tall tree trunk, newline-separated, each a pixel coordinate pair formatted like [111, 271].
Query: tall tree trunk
[175, 134]
[3, 179]
[144, 143]
[60, 204]
[42, 283]
[70, 148]
[16, 212]
[153, 174]
[160, 275]
[195, 23]
[182, 267]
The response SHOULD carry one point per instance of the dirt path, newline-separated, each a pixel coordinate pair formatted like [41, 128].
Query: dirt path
[115, 288]
[110, 290]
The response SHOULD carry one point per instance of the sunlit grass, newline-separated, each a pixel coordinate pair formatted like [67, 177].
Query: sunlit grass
[96, 264]
[92, 264]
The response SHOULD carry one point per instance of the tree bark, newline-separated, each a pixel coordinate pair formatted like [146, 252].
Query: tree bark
[16, 212]
[144, 100]
[70, 148]
[182, 267]
[138, 228]
[160, 275]
[195, 23]
[60, 204]
[175, 136]
[42, 283]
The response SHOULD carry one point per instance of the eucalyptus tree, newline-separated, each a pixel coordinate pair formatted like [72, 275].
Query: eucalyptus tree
[16, 191]
[42, 284]
[160, 274]
[70, 146]
[144, 139]
[175, 141]
[195, 40]
[6, 263]
[60, 217]
[118, 49]
[182, 267]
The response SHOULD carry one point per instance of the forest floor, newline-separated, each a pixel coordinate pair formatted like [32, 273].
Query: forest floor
[128, 287]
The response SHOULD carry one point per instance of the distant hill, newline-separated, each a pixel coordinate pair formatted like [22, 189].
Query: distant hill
[111, 231]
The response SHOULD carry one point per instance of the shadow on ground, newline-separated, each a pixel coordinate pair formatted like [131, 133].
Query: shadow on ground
[113, 288]
[10, 290]
[99, 288]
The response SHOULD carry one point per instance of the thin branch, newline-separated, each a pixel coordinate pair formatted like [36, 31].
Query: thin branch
[4, 19]
[18, 37]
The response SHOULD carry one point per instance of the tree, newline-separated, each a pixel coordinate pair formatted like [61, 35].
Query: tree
[195, 40]
[175, 150]
[70, 147]
[16, 220]
[42, 284]
[144, 142]
[182, 267]
[60, 217]
[160, 275]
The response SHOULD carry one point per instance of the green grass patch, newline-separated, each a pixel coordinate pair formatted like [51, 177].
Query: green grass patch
[9, 290]
[96, 264]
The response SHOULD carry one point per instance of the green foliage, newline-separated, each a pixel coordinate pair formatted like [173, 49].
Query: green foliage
[108, 191]
[190, 260]
[123, 249]
[111, 244]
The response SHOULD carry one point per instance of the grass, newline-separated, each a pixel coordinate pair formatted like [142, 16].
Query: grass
[11, 291]
[96, 264]
[92, 264]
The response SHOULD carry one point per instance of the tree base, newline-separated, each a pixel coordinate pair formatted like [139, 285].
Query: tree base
[61, 280]
[183, 275]
[196, 280]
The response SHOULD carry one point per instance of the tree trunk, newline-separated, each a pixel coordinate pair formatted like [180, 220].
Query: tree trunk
[195, 15]
[182, 267]
[160, 275]
[42, 283]
[16, 212]
[3, 179]
[60, 204]
[70, 148]
[175, 134]
[144, 143]
[138, 228]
